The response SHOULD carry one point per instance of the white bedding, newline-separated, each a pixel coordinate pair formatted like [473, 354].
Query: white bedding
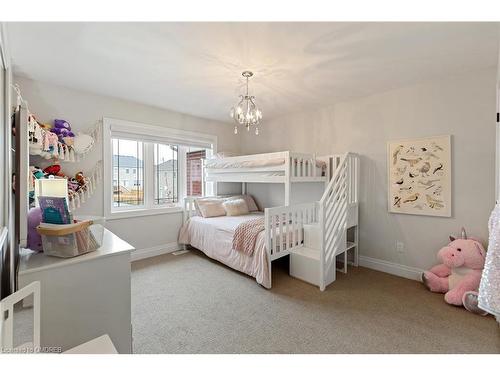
[227, 163]
[222, 163]
[214, 236]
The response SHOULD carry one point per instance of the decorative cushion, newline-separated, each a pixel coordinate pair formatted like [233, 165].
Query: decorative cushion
[210, 207]
[235, 207]
[252, 206]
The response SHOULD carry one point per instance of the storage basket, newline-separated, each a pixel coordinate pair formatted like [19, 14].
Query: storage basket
[70, 240]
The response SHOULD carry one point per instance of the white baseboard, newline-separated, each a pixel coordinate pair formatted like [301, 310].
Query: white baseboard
[154, 251]
[392, 268]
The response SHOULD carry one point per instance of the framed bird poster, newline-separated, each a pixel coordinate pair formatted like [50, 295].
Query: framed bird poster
[419, 176]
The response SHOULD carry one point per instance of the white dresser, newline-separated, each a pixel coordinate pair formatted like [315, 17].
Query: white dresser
[83, 297]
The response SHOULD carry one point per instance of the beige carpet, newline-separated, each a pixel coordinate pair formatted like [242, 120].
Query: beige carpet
[191, 304]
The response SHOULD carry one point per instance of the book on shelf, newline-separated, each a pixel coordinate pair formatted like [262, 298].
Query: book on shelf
[54, 210]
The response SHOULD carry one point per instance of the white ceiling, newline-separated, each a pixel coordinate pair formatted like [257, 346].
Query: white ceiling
[195, 67]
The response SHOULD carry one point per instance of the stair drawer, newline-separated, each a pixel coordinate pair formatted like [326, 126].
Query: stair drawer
[304, 265]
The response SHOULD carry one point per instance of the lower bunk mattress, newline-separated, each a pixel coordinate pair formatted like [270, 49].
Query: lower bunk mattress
[214, 237]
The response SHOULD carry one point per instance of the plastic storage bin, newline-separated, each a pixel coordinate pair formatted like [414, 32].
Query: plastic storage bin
[70, 240]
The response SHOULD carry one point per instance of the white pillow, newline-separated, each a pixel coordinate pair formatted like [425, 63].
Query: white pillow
[210, 207]
[235, 207]
[252, 206]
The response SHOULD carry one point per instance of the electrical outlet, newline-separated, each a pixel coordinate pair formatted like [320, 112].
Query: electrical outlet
[400, 247]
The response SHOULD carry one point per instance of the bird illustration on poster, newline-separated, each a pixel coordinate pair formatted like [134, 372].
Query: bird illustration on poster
[419, 174]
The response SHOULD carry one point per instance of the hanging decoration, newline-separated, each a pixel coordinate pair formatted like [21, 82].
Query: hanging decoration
[80, 186]
[84, 185]
[58, 141]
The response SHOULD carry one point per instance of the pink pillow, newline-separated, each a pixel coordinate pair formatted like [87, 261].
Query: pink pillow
[210, 207]
[235, 207]
[252, 206]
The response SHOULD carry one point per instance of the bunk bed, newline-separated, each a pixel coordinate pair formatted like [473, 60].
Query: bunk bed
[284, 167]
[288, 229]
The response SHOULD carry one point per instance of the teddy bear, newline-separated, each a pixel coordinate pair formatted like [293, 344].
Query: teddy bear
[63, 130]
[462, 262]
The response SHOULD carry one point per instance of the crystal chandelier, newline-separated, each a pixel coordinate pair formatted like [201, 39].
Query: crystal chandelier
[246, 111]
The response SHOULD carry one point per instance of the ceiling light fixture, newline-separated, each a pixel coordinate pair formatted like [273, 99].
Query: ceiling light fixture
[246, 111]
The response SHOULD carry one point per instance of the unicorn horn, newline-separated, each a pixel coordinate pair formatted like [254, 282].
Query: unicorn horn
[464, 234]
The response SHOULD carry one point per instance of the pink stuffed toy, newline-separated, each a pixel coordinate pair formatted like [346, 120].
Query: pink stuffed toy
[460, 271]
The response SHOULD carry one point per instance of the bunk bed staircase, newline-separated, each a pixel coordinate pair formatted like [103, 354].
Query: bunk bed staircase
[335, 231]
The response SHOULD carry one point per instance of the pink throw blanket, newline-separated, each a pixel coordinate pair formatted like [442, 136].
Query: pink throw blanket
[246, 234]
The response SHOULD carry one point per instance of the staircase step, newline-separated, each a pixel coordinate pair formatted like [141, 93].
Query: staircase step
[307, 252]
[304, 265]
[350, 245]
[312, 236]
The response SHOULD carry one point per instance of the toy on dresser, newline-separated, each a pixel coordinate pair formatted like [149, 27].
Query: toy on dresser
[460, 271]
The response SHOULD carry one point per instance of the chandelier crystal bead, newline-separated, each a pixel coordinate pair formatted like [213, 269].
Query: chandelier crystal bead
[246, 112]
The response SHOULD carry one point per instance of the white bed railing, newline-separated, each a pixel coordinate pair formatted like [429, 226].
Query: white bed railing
[303, 166]
[340, 197]
[295, 167]
[284, 227]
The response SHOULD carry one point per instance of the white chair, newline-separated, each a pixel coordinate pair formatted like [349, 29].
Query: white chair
[99, 345]
[7, 319]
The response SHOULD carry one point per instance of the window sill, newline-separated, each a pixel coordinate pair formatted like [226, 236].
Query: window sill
[143, 212]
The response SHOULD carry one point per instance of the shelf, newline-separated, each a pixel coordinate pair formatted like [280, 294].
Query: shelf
[350, 245]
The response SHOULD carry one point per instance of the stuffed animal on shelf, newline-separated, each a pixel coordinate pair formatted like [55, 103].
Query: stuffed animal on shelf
[53, 170]
[81, 180]
[460, 271]
[73, 185]
[37, 172]
[63, 130]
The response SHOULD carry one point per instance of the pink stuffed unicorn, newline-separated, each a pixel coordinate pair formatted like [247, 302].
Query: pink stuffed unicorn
[460, 271]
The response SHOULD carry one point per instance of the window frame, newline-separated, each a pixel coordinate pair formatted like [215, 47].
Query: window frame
[179, 182]
[149, 135]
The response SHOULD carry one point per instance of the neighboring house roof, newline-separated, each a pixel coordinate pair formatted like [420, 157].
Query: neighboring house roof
[126, 161]
[168, 165]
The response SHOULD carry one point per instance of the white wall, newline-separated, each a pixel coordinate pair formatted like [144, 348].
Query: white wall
[82, 110]
[463, 106]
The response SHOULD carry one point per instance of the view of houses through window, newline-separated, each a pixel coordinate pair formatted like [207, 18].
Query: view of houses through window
[129, 171]
[166, 166]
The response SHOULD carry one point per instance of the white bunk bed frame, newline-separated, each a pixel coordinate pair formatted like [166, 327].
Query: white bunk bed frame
[333, 214]
[297, 167]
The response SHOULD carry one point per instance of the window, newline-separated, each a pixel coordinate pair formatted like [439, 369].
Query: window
[151, 169]
[128, 190]
[166, 165]
[194, 159]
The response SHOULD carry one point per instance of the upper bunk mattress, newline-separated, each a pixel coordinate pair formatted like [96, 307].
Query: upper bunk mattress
[227, 163]
[223, 163]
